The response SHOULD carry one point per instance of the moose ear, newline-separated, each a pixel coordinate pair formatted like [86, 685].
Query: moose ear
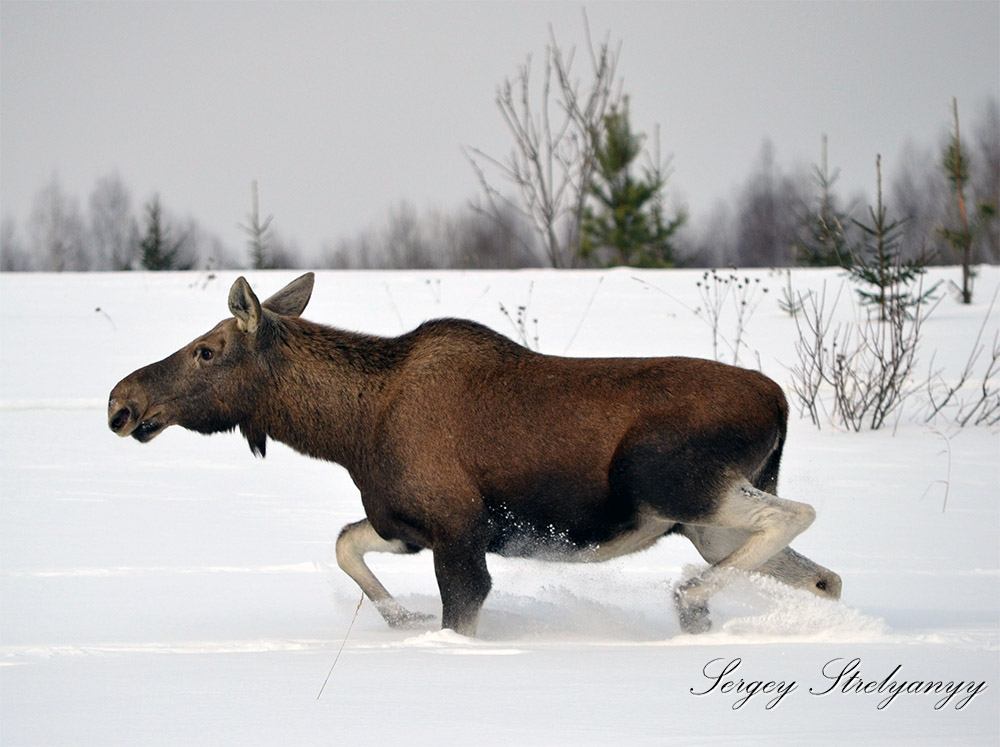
[292, 299]
[245, 306]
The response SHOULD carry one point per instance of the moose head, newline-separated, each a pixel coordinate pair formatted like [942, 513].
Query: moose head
[210, 384]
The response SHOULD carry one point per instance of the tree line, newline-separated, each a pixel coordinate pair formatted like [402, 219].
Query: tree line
[578, 188]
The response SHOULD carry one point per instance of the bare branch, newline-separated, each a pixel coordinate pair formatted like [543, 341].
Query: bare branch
[552, 162]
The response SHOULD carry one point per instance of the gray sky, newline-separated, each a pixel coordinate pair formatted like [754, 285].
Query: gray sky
[341, 110]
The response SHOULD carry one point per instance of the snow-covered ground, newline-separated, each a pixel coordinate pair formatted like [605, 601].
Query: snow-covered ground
[185, 593]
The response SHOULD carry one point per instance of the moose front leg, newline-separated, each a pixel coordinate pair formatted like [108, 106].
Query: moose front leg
[748, 528]
[464, 582]
[354, 541]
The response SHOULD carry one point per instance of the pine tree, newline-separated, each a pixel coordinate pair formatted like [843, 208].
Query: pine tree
[628, 223]
[257, 231]
[825, 240]
[158, 253]
[877, 262]
[956, 166]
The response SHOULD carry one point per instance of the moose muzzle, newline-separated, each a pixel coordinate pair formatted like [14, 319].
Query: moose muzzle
[127, 416]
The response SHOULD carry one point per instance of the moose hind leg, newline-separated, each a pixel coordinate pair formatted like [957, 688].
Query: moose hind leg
[769, 522]
[354, 541]
[787, 566]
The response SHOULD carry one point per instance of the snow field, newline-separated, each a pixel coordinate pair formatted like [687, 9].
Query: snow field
[186, 593]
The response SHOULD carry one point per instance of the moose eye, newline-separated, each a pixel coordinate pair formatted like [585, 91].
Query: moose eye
[206, 354]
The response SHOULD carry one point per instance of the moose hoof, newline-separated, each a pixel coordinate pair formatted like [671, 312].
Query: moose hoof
[694, 618]
[407, 619]
[397, 616]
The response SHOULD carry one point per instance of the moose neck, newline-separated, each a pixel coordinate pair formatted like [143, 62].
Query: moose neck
[327, 385]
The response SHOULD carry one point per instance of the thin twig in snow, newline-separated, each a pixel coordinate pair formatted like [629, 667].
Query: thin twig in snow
[343, 643]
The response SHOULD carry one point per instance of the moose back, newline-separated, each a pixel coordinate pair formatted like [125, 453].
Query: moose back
[464, 443]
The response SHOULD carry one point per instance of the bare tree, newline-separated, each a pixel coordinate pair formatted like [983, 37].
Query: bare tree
[985, 179]
[13, 258]
[284, 253]
[406, 241]
[56, 231]
[479, 241]
[767, 222]
[203, 248]
[711, 238]
[113, 228]
[555, 143]
[435, 240]
[919, 192]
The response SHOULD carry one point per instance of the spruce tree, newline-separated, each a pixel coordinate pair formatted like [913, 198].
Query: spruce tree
[825, 239]
[876, 262]
[956, 167]
[628, 226]
[257, 232]
[158, 252]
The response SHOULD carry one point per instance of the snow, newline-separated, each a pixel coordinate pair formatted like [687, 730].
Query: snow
[184, 592]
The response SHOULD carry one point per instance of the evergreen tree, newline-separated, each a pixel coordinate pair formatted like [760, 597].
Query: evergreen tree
[629, 222]
[156, 249]
[968, 229]
[877, 262]
[258, 239]
[825, 240]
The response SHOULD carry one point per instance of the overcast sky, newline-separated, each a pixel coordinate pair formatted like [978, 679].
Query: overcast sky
[341, 110]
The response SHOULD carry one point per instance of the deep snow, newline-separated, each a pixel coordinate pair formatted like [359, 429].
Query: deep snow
[185, 593]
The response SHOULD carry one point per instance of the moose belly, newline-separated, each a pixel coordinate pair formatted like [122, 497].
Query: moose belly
[586, 538]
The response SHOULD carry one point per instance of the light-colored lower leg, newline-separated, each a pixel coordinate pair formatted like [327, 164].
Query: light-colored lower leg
[771, 522]
[354, 542]
[764, 523]
[787, 566]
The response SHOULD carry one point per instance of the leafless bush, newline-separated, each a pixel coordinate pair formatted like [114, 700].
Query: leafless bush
[866, 364]
[969, 400]
[716, 289]
[527, 336]
[859, 373]
[812, 323]
[872, 371]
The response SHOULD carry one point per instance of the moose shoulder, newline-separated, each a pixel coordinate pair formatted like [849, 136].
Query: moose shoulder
[463, 442]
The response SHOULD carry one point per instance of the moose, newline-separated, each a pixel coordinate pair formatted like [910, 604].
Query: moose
[464, 443]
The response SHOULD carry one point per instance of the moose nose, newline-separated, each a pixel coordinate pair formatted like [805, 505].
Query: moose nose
[120, 419]
[120, 414]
